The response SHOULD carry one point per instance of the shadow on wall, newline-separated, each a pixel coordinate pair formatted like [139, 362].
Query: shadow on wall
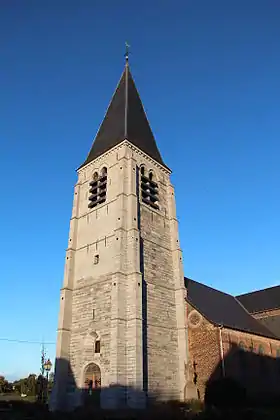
[222, 393]
[67, 396]
[244, 378]
[144, 291]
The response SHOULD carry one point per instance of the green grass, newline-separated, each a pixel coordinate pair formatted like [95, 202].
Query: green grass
[16, 397]
[18, 408]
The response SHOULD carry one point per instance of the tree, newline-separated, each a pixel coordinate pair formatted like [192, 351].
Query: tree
[26, 385]
[41, 388]
[51, 381]
[21, 386]
[31, 385]
[4, 385]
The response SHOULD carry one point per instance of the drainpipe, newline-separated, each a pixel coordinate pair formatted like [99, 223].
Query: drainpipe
[222, 350]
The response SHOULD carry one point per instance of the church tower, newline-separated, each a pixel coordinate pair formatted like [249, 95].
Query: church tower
[122, 326]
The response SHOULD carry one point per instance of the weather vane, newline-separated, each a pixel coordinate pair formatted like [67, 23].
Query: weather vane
[127, 46]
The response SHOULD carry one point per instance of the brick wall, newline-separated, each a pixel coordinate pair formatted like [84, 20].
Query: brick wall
[258, 366]
[204, 353]
[260, 374]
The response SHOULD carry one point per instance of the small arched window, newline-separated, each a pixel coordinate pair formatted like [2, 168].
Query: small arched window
[261, 350]
[262, 361]
[103, 171]
[242, 346]
[149, 189]
[242, 356]
[98, 188]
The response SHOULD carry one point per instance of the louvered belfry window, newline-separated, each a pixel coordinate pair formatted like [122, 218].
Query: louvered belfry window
[149, 189]
[98, 189]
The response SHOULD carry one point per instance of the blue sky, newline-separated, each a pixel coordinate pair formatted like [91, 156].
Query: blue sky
[208, 75]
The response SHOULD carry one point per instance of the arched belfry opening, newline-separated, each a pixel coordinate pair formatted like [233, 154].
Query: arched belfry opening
[149, 188]
[98, 188]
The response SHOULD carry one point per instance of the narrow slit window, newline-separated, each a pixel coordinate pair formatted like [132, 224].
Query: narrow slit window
[97, 346]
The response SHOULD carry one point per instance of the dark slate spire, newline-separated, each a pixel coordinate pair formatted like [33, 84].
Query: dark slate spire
[125, 119]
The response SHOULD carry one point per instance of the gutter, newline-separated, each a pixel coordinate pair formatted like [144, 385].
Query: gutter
[222, 350]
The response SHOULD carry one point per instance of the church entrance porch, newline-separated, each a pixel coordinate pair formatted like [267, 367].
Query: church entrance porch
[92, 385]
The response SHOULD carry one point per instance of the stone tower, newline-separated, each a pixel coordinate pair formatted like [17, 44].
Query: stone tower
[122, 327]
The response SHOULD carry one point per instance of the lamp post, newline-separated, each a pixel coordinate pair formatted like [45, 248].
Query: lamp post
[47, 368]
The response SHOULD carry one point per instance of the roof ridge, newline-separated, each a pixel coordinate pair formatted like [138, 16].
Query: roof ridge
[255, 319]
[258, 291]
[225, 325]
[224, 309]
[235, 298]
[209, 287]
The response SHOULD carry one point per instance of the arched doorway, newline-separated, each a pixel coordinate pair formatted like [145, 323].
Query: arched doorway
[92, 384]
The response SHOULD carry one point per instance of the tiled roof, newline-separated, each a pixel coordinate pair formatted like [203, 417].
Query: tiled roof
[125, 119]
[223, 309]
[272, 323]
[261, 300]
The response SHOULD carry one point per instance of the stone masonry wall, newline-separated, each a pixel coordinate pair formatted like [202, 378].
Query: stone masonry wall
[89, 296]
[110, 287]
[158, 269]
[161, 310]
[113, 287]
[92, 232]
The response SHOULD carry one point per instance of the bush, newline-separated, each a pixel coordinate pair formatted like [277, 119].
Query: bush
[225, 393]
[196, 406]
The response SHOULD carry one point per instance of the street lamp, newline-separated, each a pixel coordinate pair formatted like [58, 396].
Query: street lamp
[47, 367]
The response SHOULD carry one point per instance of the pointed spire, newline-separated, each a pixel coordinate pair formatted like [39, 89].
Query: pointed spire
[125, 119]
[126, 89]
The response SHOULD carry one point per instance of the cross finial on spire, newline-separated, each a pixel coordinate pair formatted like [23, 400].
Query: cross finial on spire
[127, 46]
